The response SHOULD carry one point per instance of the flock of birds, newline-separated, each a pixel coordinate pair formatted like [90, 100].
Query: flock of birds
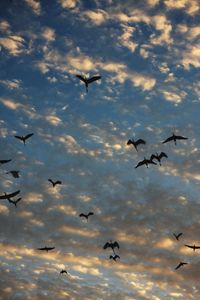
[158, 157]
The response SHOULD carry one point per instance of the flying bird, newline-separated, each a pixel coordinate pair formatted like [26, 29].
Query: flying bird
[4, 161]
[114, 257]
[180, 265]
[14, 202]
[54, 183]
[15, 174]
[88, 80]
[177, 235]
[158, 156]
[135, 143]
[174, 138]
[86, 216]
[193, 247]
[145, 162]
[24, 138]
[112, 245]
[63, 271]
[46, 248]
[8, 196]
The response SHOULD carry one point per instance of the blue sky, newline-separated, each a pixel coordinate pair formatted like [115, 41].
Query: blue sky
[148, 54]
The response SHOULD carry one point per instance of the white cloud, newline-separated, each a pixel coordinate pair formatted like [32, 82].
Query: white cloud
[68, 3]
[174, 97]
[125, 38]
[191, 56]
[163, 25]
[12, 84]
[4, 26]
[13, 43]
[34, 5]
[48, 34]
[190, 6]
[97, 17]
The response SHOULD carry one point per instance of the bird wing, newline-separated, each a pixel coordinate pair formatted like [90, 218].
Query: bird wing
[142, 162]
[153, 157]
[115, 244]
[190, 246]
[111, 257]
[140, 141]
[197, 247]
[50, 180]
[168, 139]
[179, 265]
[9, 195]
[117, 256]
[5, 161]
[94, 78]
[28, 136]
[43, 248]
[90, 213]
[81, 78]
[19, 137]
[163, 154]
[106, 245]
[50, 248]
[179, 137]
[58, 182]
[19, 199]
[129, 142]
[82, 215]
[149, 161]
[178, 235]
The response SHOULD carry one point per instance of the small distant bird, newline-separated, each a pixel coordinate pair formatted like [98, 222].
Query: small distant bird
[88, 80]
[177, 235]
[14, 202]
[63, 271]
[158, 156]
[174, 138]
[145, 162]
[24, 138]
[112, 245]
[15, 174]
[86, 216]
[135, 143]
[4, 161]
[8, 196]
[180, 265]
[114, 257]
[54, 183]
[46, 248]
[193, 247]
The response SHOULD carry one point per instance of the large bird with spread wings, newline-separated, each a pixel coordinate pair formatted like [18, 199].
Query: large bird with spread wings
[54, 183]
[145, 162]
[174, 138]
[158, 157]
[180, 265]
[4, 161]
[46, 248]
[193, 247]
[136, 143]
[177, 235]
[86, 215]
[111, 245]
[87, 81]
[14, 202]
[24, 138]
[8, 196]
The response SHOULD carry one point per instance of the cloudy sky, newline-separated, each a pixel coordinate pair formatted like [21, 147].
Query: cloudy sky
[148, 54]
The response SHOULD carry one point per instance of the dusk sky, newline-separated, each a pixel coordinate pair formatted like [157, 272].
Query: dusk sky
[148, 56]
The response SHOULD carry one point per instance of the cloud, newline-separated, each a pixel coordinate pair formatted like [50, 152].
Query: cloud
[97, 17]
[13, 43]
[5, 26]
[53, 120]
[191, 56]
[174, 97]
[125, 38]
[161, 24]
[190, 6]
[34, 5]
[14, 105]
[12, 84]
[48, 34]
[68, 3]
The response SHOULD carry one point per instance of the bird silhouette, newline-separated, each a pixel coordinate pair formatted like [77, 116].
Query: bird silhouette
[88, 80]
[135, 143]
[180, 265]
[86, 216]
[177, 235]
[46, 248]
[8, 196]
[158, 156]
[15, 174]
[193, 247]
[63, 272]
[14, 202]
[112, 245]
[4, 161]
[114, 257]
[54, 183]
[145, 162]
[174, 138]
[24, 138]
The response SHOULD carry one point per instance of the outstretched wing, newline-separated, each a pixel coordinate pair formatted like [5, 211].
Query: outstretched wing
[19, 199]
[8, 196]
[28, 136]
[179, 137]
[81, 78]
[82, 215]
[151, 162]
[130, 142]
[163, 154]
[142, 162]
[179, 265]
[94, 78]
[58, 182]
[153, 157]
[50, 248]
[90, 213]
[50, 180]
[5, 161]
[19, 137]
[43, 248]
[171, 138]
[178, 235]
[115, 244]
[117, 256]
[190, 246]
[106, 245]
[140, 141]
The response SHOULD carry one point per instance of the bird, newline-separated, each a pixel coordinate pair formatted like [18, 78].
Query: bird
[46, 248]
[15, 174]
[88, 80]
[174, 138]
[114, 257]
[86, 216]
[177, 235]
[63, 271]
[24, 138]
[135, 143]
[112, 245]
[158, 156]
[14, 202]
[193, 247]
[54, 183]
[180, 265]
[145, 162]
[8, 196]
[4, 161]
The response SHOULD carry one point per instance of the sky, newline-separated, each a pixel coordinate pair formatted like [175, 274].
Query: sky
[148, 56]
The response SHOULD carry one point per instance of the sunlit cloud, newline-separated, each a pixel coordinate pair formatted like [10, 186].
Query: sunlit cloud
[34, 5]
[13, 43]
